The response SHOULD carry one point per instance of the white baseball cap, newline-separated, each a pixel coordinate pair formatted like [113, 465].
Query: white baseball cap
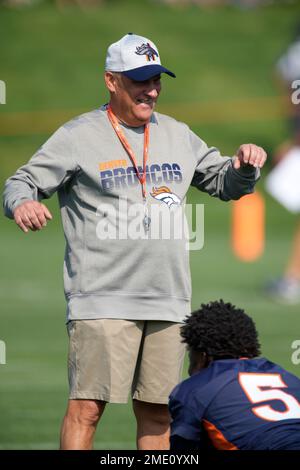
[136, 57]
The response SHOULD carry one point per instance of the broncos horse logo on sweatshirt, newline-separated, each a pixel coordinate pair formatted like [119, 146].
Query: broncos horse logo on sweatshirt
[164, 194]
[147, 50]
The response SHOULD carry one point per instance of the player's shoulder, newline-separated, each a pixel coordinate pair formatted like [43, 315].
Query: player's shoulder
[244, 364]
[268, 367]
[222, 371]
[257, 366]
[203, 379]
[184, 390]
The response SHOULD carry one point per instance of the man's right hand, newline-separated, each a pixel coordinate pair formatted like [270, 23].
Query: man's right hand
[31, 214]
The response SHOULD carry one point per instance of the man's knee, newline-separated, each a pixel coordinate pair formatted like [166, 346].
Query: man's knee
[155, 413]
[85, 412]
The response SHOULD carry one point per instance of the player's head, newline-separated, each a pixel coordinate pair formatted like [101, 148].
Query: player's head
[219, 330]
[132, 76]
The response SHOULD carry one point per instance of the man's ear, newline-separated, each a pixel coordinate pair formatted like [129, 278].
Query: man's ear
[198, 361]
[203, 360]
[110, 81]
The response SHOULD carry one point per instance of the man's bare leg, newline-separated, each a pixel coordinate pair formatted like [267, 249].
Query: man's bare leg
[80, 423]
[153, 425]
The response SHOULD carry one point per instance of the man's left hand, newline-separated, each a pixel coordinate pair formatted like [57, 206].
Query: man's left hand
[250, 155]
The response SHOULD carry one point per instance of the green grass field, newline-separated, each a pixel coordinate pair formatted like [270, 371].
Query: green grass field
[52, 64]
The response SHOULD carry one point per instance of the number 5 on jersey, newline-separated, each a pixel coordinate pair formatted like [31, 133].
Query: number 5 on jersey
[254, 387]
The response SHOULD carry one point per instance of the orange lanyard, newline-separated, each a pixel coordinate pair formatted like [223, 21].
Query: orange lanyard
[115, 123]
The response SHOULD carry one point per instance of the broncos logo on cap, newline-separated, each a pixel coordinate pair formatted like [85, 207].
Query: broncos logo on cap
[164, 194]
[147, 50]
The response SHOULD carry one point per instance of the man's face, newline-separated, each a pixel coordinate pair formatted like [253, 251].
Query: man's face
[133, 102]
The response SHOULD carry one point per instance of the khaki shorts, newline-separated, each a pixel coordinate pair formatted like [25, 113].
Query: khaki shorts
[108, 358]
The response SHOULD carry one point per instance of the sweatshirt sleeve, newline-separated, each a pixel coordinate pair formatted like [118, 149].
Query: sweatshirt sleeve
[48, 169]
[216, 175]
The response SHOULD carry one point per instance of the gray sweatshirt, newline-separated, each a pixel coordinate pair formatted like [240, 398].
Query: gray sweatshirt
[108, 274]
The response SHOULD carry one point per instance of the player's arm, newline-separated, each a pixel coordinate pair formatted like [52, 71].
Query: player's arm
[186, 427]
[224, 177]
[49, 168]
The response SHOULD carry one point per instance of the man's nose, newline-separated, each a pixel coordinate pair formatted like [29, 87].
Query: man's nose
[152, 91]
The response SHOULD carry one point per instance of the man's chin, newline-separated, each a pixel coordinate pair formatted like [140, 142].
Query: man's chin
[144, 117]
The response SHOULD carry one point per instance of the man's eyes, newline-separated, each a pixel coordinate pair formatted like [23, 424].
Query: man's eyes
[157, 79]
[146, 82]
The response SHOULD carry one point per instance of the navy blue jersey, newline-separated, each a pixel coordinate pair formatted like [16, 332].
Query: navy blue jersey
[247, 404]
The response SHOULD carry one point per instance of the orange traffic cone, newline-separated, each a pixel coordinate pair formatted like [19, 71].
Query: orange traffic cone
[248, 227]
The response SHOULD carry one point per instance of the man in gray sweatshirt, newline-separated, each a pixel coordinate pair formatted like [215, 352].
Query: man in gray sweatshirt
[127, 290]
